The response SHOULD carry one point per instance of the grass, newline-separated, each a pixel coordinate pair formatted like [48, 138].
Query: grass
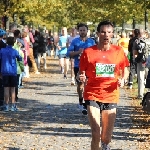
[140, 119]
[135, 84]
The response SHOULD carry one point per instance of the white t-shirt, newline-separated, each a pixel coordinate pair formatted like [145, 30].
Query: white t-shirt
[71, 38]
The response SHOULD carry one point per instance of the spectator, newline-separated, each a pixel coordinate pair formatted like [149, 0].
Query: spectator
[2, 45]
[30, 40]
[50, 45]
[2, 39]
[36, 45]
[8, 70]
[26, 55]
[42, 50]
[19, 43]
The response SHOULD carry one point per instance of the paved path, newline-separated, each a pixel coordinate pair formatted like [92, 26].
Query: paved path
[50, 120]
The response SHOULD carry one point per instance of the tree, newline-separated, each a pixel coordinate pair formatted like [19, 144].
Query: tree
[70, 12]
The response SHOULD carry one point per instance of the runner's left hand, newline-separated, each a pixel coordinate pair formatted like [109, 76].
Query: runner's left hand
[121, 82]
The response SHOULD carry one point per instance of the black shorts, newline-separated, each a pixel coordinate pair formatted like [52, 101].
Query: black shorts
[9, 81]
[62, 56]
[71, 58]
[76, 70]
[100, 105]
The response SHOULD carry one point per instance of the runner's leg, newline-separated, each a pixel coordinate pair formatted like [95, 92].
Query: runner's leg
[80, 86]
[34, 66]
[6, 94]
[108, 120]
[94, 121]
[13, 95]
[66, 68]
[44, 58]
[39, 60]
[61, 63]
[72, 71]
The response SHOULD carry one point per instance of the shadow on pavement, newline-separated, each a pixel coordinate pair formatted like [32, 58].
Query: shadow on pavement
[34, 115]
[60, 120]
[12, 148]
[30, 84]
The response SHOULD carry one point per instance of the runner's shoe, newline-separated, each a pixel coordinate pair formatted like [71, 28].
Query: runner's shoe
[65, 77]
[62, 70]
[13, 108]
[80, 106]
[130, 87]
[37, 72]
[6, 108]
[73, 82]
[105, 146]
[139, 97]
[84, 110]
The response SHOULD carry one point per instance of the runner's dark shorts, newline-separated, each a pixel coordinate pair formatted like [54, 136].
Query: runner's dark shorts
[100, 105]
[9, 81]
[62, 56]
[76, 70]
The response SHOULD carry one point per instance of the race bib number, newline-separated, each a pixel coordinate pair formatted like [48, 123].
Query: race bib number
[105, 70]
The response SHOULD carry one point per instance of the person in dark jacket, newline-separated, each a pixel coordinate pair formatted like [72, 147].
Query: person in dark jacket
[42, 50]
[50, 45]
[2, 39]
[133, 66]
[36, 45]
[2, 42]
[2, 45]
[8, 71]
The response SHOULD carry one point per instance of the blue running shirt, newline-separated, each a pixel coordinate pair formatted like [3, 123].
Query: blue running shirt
[62, 43]
[76, 44]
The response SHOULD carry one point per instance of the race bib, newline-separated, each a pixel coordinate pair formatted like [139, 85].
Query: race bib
[105, 70]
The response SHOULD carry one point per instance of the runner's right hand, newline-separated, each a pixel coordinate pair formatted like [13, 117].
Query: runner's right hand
[81, 50]
[82, 77]
[59, 47]
[121, 82]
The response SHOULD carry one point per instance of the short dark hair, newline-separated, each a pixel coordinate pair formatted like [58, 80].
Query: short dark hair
[16, 32]
[10, 41]
[136, 32]
[103, 23]
[82, 25]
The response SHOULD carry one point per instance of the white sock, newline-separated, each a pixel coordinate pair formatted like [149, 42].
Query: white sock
[72, 78]
[105, 146]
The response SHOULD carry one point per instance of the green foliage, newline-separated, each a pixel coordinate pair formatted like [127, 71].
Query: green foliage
[70, 12]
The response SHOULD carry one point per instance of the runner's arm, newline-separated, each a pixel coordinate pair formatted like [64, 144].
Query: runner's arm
[19, 58]
[124, 66]
[135, 52]
[67, 44]
[125, 73]
[71, 52]
[82, 76]
[83, 67]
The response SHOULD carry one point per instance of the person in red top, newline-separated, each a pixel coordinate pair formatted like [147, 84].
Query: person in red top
[104, 68]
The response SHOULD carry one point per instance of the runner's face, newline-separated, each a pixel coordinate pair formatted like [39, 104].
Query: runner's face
[105, 34]
[83, 32]
[64, 32]
[73, 31]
